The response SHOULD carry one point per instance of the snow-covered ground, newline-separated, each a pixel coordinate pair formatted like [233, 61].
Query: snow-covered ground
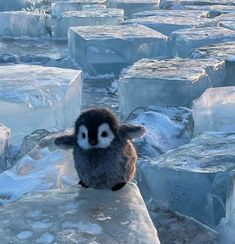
[143, 59]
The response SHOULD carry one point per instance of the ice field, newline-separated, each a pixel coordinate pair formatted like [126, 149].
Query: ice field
[168, 65]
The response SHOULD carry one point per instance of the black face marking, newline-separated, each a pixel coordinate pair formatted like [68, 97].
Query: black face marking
[92, 119]
[104, 134]
[83, 135]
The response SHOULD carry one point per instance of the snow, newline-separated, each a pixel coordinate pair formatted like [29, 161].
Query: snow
[46, 171]
[5, 136]
[184, 41]
[24, 24]
[88, 17]
[170, 82]
[166, 23]
[167, 128]
[25, 235]
[80, 224]
[214, 110]
[193, 178]
[133, 6]
[59, 7]
[107, 49]
[33, 92]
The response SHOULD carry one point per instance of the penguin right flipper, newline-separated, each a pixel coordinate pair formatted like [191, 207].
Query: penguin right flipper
[82, 184]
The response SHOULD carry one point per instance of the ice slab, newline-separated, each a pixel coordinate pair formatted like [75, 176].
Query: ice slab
[5, 135]
[89, 17]
[34, 97]
[212, 10]
[79, 216]
[108, 49]
[22, 23]
[227, 224]
[179, 4]
[215, 110]
[59, 7]
[167, 128]
[224, 52]
[171, 82]
[133, 6]
[183, 41]
[192, 179]
[46, 52]
[227, 20]
[11, 5]
[166, 23]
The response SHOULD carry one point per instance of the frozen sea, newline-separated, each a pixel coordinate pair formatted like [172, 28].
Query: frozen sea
[165, 64]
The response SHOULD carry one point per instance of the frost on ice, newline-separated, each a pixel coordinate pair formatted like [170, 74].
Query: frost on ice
[34, 97]
[171, 82]
[215, 110]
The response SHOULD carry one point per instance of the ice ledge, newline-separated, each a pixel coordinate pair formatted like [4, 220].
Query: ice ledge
[83, 215]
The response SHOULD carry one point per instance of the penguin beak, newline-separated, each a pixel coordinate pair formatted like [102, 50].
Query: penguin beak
[92, 142]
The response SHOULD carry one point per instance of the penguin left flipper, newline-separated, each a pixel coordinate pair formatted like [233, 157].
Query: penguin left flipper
[118, 186]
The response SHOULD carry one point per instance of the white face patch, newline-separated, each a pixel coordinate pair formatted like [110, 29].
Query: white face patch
[82, 138]
[105, 136]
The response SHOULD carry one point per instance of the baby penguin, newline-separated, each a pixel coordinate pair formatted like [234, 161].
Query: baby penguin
[104, 155]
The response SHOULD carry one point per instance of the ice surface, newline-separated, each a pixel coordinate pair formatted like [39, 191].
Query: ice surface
[89, 17]
[192, 179]
[215, 110]
[167, 128]
[107, 49]
[183, 41]
[80, 216]
[179, 4]
[22, 23]
[224, 52]
[227, 224]
[59, 7]
[133, 6]
[171, 82]
[5, 134]
[166, 23]
[34, 97]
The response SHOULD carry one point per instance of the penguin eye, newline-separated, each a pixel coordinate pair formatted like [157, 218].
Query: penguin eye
[83, 135]
[104, 134]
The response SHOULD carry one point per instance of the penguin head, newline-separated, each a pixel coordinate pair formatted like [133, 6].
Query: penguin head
[98, 128]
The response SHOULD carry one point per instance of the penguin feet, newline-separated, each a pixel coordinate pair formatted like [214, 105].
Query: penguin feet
[118, 186]
[82, 184]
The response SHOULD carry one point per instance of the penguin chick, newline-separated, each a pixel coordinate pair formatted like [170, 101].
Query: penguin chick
[104, 155]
